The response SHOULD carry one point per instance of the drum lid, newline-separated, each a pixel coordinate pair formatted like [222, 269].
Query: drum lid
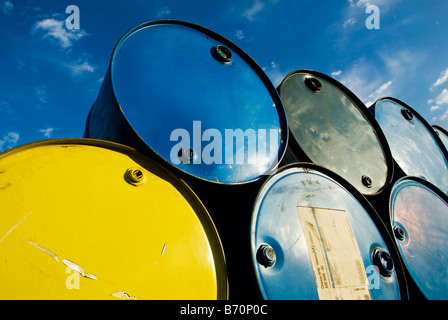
[413, 143]
[419, 218]
[199, 101]
[312, 239]
[335, 130]
[88, 219]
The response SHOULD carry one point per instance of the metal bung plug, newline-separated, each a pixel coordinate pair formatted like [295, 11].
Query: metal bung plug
[407, 114]
[313, 84]
[222, 54]
[135, 176]
[186, 155]
[366, 181]
[383, 261]
[399, 233]
[266, 255]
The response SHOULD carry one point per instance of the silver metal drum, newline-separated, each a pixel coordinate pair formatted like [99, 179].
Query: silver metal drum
[419, 218]
[331, 127]
[442, 134]
[415, 147]
[314, 236]
[193, 99]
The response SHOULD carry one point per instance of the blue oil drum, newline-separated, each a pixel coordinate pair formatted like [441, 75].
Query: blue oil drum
[193, 99]
[314, 236]
[419, 218]
[416, 148]
[330, 126]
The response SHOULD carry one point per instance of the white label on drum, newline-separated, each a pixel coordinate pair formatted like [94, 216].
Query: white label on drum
[337, 263]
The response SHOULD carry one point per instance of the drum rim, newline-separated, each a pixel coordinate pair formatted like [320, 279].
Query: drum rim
[363, 109]
[371, 212]
[246, 57]
[183, 188]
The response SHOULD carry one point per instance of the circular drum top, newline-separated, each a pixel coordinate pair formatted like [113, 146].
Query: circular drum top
[335, 130]
[313, 239]
[199, 101]
[86, 219]
[419, 217]
[414, 146]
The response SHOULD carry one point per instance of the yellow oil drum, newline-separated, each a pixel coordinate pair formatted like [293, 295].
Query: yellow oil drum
[88, 219]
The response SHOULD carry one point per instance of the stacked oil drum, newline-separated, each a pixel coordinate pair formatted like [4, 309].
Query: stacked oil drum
[196, 178]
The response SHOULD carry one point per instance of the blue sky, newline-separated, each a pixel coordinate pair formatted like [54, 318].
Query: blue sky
[50, 75]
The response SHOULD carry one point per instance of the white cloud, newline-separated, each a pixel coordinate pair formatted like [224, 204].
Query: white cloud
[78, 68]
[239, 34]
[442, 98]
[55, 29]
[9, 140]
[367, 82]
[254, 10]
[434, 108]
[274, 73]
[41, 93]
[336, 73]
[163, 12]
[442, 79]
[47, 132]
[349, 22]
[6, 7]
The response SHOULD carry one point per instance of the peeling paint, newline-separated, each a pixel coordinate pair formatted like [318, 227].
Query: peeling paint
[162, 253]
[51, 253]
[123, 295]
[78, 269]
[10, 230]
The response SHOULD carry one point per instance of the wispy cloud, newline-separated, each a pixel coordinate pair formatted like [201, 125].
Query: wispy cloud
[79, 67]
[163, 12]
[366, 82]
[274, 73]
[239, 34]
[441, 80]
[442, 98]
[55, 30]
[336, 73]
[251, 12]
[434, 108]
[349, 22]
[6, 7]
[41, 93]
[9, 140]
[47, 132]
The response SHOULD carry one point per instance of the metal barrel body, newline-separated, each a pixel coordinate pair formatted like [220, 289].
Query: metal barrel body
[192, 99]
[331, 127]
[419, 218]
[90, 219]
[442, 134]
[200, 106]
[416, 149]
[314, 236]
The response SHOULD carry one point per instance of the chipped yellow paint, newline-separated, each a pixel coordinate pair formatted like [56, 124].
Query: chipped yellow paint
[68, 204]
